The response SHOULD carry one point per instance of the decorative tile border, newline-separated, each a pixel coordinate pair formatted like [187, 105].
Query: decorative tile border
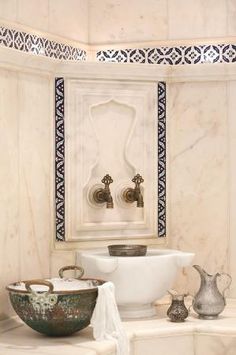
[161, 174]
[34, 44]
[219, 53]
[59, 159]
[195, 54]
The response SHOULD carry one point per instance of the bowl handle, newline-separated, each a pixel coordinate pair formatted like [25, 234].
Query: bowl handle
[71, 267]
[39, 282]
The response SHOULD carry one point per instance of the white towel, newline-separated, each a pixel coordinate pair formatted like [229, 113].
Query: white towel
[106, 320]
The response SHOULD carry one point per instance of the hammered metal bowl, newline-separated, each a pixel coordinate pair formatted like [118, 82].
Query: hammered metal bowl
[127, 250]
[54, 312]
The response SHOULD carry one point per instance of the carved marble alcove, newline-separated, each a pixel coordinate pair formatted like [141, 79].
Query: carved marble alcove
[110, 128]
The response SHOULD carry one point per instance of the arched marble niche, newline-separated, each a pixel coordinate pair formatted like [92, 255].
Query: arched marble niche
[109, 127]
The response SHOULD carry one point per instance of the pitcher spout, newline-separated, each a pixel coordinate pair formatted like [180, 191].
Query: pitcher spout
[201, 271]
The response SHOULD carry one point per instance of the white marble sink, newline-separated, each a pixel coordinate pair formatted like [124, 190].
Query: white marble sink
[139, 281]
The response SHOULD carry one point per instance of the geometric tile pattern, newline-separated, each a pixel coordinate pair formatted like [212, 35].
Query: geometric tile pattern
[220, 53]
[34, 44]
[196, 54]
[161, 163]
[59, 159]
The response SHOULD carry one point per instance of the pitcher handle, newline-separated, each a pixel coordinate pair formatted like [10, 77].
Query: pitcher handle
[229, 282]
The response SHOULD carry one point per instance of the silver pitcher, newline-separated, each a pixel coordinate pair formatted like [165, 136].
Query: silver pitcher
[209, 302]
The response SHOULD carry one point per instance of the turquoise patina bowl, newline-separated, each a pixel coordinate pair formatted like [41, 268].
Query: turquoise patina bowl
[55, 307]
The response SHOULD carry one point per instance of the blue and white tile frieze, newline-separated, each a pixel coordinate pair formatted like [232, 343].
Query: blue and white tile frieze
[161, 161]
[192, 54]
[34, 44]
[219, 53]
[59, 159]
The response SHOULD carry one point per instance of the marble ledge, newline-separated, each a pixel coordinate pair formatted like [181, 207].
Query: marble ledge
[23, 340]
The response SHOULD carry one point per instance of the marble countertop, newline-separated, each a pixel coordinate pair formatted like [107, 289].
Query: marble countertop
[22, 340]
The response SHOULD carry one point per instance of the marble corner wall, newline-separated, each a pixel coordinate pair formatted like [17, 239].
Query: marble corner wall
[64, 18]
[26, 179]
[232, 182]
[9, 187]
[199, 175]
[118, 21]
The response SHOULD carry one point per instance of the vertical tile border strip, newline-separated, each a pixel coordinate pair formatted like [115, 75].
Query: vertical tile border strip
[161, 175]
[59, 160]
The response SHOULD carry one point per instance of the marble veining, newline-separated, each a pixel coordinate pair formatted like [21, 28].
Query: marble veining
[198, 166]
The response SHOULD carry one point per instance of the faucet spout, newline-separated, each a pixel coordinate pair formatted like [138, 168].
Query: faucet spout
[140, 202]
[108, 198]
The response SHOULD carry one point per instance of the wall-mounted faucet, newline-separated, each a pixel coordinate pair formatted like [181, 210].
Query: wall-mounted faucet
[130, 195]
[104, 195]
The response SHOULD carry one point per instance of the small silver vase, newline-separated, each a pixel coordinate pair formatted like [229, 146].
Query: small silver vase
[177, 312]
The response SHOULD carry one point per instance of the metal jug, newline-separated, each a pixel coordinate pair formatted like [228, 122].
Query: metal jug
[177, 312]
[209, 302]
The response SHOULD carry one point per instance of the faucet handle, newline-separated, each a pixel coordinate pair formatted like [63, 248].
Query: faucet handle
[101, 195]
[137, 179]
[107, 180]
[130, 195]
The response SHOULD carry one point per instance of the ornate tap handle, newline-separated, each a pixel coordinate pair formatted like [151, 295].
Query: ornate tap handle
[102, 195]
[137, 179]
[131, 195]
[107, 180]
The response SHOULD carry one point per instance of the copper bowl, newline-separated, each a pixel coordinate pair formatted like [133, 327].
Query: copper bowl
[51, 311]
[127, 250]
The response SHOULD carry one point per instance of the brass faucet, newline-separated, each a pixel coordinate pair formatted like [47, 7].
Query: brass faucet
[130, 195]
[102, 195]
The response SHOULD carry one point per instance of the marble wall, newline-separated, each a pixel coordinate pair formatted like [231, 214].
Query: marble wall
[64, 18]
[201, 175]
[119, 21]
[26, 183]
[198, 193]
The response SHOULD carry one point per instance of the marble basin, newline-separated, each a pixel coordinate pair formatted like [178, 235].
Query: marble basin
[139, 281]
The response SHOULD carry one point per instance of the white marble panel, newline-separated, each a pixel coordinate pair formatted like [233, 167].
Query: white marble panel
[35, 135]
[9, 240]
[116, 21]
[115, 134]
[198, 175]
[232, 181]
[164, 345]
[231, 31]
[215, 344]
[69, 19]
[8, 10]
[197, 19]
[34, 13]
